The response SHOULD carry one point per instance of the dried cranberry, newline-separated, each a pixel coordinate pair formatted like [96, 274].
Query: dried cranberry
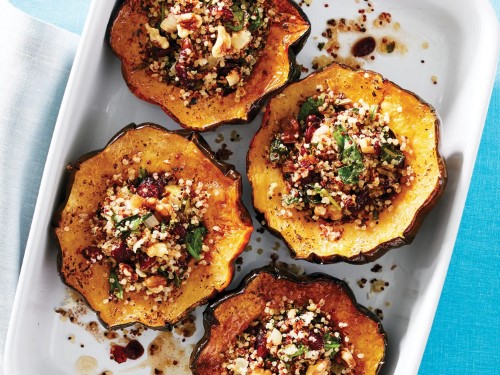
[229, 65]
[377, 147]
[91, 253]
[179, 230]
[118, 353]
[313, 120]
[362, 200]
[182, 73]
[315, 340]
[260, 345]
[134, 349]
[363, 47]
[145, 261]
[309, 133]
[291, 132]
[226, 15]
[122, 253]
[149, 188]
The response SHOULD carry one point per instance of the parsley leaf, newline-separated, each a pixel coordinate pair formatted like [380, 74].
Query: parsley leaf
[131, 224]
[143, 173]
[301, 349]
[277, 150]
[331, 343]
[114, 285]
[349, 155]
[373, 112]
[194, 241]
[389, 152]
[310, 107]
[238, 19]
[290, 200]
[255, 23]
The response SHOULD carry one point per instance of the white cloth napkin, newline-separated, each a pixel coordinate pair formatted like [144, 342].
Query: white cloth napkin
[35, 62]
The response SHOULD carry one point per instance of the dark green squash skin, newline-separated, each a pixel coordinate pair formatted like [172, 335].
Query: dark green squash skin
[209, 319]
[226, 168]
[294, 73]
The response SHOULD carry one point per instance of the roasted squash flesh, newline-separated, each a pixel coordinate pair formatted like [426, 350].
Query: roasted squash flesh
[227, 223]
[274, 68]
[410, 119]
[266, 288]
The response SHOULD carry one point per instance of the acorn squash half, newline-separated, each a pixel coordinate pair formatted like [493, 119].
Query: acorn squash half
[360, 344]
[85, 263]
[409, 119]
[275, 67]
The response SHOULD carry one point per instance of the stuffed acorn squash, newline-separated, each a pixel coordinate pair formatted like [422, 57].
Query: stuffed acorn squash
[208, 63]
[151, 226]
[277, 323]
[346, 165]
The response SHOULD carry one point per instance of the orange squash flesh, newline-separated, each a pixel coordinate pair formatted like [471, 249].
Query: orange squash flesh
[274, 69]
[225, 319]
[409, 117]
[188, 154]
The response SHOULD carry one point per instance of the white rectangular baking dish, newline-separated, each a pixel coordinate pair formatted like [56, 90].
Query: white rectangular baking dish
[462, 39]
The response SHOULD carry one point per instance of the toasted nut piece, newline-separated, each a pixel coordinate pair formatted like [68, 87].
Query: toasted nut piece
[156, 38]
[136, 201]
[347, 357]
[319, 368]
[275, 337]
[240, 39]
[127, 272]
[187, 23]
[222, 44]
[169, 24]
[158, 249]
[366, 146]
[233, 77]
[155, 283]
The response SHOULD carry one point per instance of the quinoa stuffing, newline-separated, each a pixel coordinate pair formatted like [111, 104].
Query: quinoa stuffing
[147, 229]
[206, 47]
[341, 161]
[290, 339]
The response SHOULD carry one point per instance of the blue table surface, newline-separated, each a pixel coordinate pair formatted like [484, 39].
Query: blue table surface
[466, 331]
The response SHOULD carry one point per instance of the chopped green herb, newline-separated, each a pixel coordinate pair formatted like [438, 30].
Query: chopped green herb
[194, 241]
[373, 112]
[131, 224]
[163, 227]
[349, 155]
[114, 285]
[238, 19]
[331, 343]
[186, 204]
[290, 200]
[143, 173]
[310, 107]
[390, 47]
[301, 349]
[320, 46]
[255, 23]
[390, 153]
[177, 280]
[325, 194]
[277, 150]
